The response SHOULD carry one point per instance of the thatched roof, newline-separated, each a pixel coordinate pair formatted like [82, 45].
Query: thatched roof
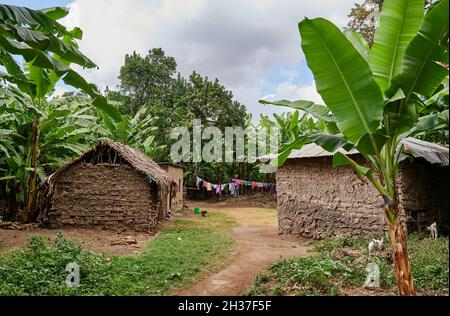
[137, 160]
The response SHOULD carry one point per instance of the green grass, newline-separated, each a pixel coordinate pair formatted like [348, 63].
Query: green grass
[341, 263]
[176, 257]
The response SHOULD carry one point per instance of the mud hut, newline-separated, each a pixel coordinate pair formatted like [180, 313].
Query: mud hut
[176, 172]
[111, 186]
[315, 201]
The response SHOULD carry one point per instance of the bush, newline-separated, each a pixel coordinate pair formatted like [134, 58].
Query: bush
[40, 268]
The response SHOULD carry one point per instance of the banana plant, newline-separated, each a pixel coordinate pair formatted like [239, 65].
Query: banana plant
[292, 125]
[36, 51]
[137, 132]
[374, 97]
[65, 131]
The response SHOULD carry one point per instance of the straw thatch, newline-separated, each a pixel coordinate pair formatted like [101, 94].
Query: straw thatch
[134, 157]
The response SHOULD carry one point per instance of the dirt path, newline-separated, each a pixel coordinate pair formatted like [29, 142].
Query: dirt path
[258, 245]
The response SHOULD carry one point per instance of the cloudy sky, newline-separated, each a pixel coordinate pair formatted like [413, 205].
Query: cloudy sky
[252, 46]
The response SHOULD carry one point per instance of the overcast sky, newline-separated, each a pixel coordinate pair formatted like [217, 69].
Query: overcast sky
[251, 46]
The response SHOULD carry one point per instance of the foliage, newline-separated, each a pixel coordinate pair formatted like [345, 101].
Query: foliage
[292, 125]
[363, 17]
[137, 132]
[177, 256]
[149, 83]
[65, 131]
[375, 96]
[37, 52]
[146, 80]
[47, 49]
[338, 267]
[39, 269]
[363, 25]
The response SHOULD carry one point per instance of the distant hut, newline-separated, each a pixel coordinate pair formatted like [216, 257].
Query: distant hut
[176, 172]
[315, 201]
[112, 187]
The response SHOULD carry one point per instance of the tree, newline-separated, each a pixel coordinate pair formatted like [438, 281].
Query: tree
[148, 79]
[363, 17]
[47, 50]
[208, 100]
[373, 97]
[149, 83]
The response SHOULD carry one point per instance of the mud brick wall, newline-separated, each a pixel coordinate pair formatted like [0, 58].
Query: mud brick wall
[424, 194]
[177, 174]
[315, 201]
[112, 197]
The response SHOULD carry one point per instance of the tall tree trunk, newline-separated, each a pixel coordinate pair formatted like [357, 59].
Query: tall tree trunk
[397, 237]
[33, 180]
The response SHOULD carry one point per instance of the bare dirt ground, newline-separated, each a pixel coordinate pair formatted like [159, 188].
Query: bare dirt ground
[95, 240]
[258, 246]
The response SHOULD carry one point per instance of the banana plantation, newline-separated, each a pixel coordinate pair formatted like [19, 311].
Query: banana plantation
[351, 199]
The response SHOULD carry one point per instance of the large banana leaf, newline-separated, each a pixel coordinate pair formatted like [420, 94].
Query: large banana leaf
[421, 73]
[343, 78]
[399, 22]
[75, 80]
[359, 42]
[33, 18]
[47, 42]
[316, 110]
[55, 13]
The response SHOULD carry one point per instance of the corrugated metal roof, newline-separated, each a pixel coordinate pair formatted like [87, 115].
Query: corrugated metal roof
[433, 153]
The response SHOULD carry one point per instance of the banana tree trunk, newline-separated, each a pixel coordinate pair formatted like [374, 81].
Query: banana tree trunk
[397, 237]
[33, 180]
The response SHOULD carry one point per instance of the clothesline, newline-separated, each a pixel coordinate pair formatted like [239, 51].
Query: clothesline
[234, 186]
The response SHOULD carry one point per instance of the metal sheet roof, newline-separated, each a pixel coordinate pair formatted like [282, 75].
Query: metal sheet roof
[433, 153]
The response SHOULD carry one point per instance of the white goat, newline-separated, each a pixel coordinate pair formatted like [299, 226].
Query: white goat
[433, 229]
[375, 244]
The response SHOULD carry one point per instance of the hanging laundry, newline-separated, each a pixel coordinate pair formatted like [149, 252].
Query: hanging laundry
[208, 186]
[232, 188]
[219, 189]
[237, 190]
[254, 185]
[197, 182]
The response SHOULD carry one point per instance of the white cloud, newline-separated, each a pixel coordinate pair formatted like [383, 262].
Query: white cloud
[291, 91]
[238, 41]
